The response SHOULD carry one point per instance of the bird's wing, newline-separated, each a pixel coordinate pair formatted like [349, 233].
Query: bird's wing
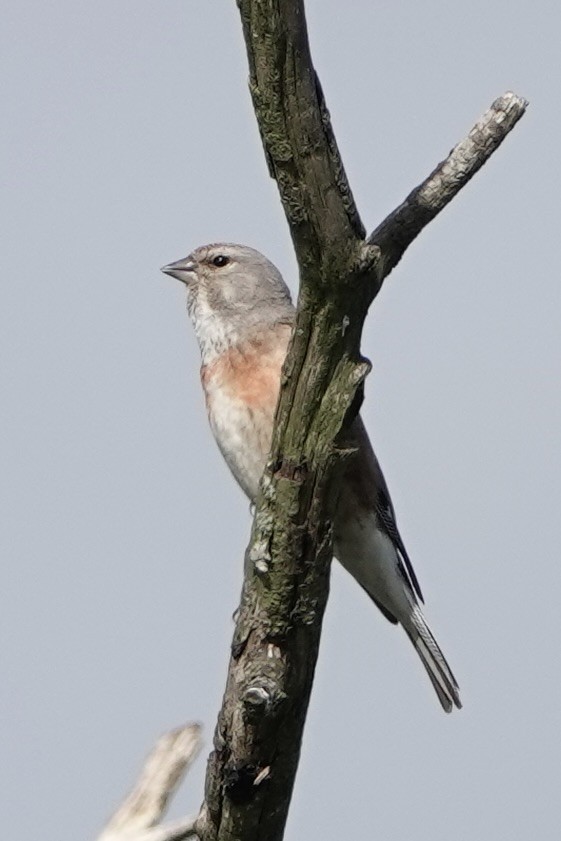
[375, 491]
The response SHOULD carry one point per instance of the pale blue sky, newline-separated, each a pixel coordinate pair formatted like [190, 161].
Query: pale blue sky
[128, 139]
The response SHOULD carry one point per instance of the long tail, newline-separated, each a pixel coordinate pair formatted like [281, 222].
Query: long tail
[434, 661]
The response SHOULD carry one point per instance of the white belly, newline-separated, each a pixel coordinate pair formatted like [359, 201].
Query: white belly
[244, 438]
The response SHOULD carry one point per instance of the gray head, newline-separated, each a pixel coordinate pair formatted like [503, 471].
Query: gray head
[231, 291]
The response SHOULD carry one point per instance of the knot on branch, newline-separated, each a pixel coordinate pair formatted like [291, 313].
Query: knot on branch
[262, 699]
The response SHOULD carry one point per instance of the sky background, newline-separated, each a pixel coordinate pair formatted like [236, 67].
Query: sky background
[128, 139]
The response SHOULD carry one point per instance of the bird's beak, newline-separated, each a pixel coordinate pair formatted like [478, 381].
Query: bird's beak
[183, 270]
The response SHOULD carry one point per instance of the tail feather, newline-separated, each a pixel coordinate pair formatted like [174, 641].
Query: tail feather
[434, 661]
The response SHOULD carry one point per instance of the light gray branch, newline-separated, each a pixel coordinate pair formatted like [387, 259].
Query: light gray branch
[173, 831]
[139, 815]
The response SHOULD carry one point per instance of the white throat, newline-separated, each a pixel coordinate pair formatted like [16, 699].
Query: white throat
[215, 334]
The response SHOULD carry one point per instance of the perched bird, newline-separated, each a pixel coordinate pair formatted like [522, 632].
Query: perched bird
[243, 317]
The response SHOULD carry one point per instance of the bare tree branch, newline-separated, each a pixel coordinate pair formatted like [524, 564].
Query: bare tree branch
[138, 817]
[401, 227]
[174, 831]
[251, 771]
[295, 128]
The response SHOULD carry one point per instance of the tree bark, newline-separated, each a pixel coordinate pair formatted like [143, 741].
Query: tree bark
[251, 770]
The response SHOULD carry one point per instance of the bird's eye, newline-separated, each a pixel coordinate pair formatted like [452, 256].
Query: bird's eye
[220, 260]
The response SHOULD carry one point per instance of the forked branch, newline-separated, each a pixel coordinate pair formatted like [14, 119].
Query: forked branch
[257, 741]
